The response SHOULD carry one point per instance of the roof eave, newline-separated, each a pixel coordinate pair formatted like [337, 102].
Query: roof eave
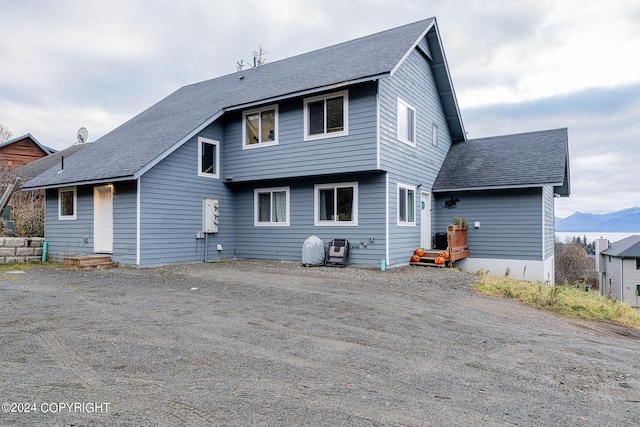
[26, 187]
[307, 92]
[498, 187]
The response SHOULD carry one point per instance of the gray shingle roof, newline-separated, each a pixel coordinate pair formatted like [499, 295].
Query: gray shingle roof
[530, 159]
[625, 248]
[130, 148]
[43, 164]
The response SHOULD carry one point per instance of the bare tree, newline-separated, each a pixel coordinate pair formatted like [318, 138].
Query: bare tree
[5, 133]
[570, 262]
[27, 207]
[259, 58]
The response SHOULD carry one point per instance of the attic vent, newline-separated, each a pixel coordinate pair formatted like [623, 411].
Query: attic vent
[241, 78]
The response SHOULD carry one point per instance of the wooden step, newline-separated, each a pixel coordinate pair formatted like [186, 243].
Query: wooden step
[89, 262]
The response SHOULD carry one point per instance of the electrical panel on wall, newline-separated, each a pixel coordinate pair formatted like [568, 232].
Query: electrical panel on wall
[210, 215]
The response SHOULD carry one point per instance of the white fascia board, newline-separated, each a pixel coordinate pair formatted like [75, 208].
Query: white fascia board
[177, 145]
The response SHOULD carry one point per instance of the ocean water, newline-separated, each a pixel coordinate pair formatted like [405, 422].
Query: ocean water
[591, 235]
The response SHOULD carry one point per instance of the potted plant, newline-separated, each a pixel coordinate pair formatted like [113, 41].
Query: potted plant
[460, 222]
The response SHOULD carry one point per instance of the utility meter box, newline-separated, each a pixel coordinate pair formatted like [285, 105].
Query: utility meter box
[210, 215]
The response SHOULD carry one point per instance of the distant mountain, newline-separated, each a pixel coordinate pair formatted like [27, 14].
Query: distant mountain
[626, 220]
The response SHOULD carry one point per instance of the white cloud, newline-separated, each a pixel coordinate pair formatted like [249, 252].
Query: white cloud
[71, 63]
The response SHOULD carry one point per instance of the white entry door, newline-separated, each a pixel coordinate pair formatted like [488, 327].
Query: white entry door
[425, 220]
[103, 219]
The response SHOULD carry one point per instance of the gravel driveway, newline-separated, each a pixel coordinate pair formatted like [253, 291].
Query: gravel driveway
[267, 343]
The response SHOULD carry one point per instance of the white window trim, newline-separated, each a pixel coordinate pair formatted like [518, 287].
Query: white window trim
[217, 148]
[246, 146]
[415, 119]
[325, 135]
[406, 223]
[334, 223]
[256, 207]
[75, 204]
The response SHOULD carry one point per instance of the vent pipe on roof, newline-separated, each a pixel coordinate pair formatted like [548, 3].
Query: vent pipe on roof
[61, 163]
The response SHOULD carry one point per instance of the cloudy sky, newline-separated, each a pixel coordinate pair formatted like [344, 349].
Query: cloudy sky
[517, 66]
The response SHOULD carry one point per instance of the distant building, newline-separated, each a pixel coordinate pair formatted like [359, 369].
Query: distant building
[618, 268]
[23, 150]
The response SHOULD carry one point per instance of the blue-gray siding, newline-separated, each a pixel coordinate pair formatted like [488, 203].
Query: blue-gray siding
[549, 221]
[285, 243]
[75, 237]
[171, 197]
[293, 156]
[124, 222]
[414, 83]
[510, 222]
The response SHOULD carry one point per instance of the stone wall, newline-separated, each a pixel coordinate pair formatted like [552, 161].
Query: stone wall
[20, 249]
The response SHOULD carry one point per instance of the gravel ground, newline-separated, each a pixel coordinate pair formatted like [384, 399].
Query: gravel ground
[266, 343]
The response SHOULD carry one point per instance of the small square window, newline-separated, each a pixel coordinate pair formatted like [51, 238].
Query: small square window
[271, 206]
[406, 123]
[326, 116]
[336, 204]
[208, 158]
[406, 205]
[67, 202]
[260, 127]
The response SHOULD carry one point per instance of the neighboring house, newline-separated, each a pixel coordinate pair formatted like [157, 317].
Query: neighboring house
[342, 142]
[23, 150]
[618, 267]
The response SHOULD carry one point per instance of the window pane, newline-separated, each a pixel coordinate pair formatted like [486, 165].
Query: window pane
[208, 158]
[279, 208]
[316, 117]
[410, 119]
[335, 114]
[402, 205]
[406, 117]
[264, 207]
[345, 204]
[253, 128]
[66, 203]
[268, 126]
[326, 205]
[411, 209]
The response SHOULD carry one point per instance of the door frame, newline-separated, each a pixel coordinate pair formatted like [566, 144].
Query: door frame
[101, 242]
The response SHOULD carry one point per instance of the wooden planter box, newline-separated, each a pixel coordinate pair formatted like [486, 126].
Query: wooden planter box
[457, 239]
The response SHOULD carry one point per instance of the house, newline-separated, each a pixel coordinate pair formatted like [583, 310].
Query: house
[363, 140]
[618, 267]
[23, 150]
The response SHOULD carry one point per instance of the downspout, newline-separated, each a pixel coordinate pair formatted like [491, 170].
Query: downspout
[622, 279]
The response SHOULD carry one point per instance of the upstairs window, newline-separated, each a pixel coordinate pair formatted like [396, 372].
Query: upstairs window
[326, 116]
[336, 204]
[637, 263]
[271, 206]
[67, 202]
[406, 205]
[260, 127]
[208, 158]
[406, 123]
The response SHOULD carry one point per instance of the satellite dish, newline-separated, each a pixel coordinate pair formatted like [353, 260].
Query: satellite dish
[83, 135]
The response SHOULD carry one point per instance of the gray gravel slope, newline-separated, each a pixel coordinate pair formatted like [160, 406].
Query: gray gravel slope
[253, 343]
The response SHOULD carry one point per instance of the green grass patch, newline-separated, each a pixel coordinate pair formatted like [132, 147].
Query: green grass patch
[26, 265]
[566, 300]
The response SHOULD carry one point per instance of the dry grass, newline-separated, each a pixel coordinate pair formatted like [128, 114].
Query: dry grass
[566, 300]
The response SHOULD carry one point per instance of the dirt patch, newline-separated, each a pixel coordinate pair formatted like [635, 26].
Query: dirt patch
[252, 343]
